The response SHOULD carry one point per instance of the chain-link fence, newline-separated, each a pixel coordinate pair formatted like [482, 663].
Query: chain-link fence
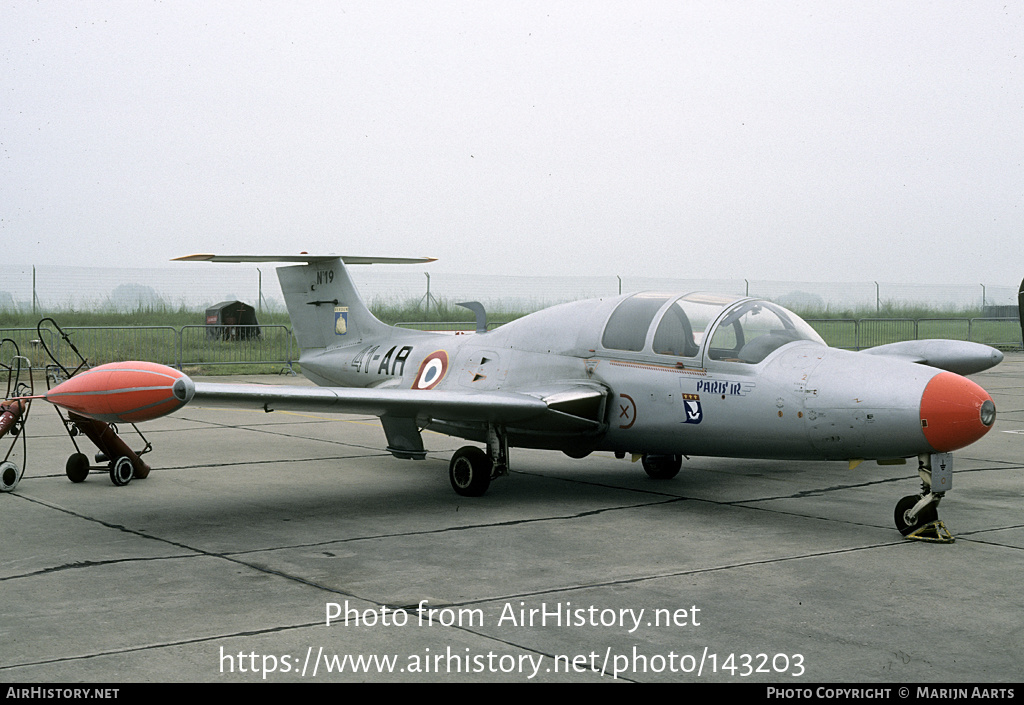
[192, 286]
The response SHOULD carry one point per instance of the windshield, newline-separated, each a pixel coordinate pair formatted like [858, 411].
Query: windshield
[755, 329]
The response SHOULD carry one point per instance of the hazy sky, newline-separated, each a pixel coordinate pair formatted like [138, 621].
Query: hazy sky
[811, 141]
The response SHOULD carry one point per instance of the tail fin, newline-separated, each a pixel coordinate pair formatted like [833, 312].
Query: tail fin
[1020, 310]
[325, 308]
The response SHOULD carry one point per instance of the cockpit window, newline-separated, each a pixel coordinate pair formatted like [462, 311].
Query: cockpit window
[754, 330]
[627, 328]
[682, 328]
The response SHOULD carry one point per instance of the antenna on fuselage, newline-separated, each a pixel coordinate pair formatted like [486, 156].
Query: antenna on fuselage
[478, 310]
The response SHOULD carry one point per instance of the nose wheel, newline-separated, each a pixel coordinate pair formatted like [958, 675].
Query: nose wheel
[907, 521]
[917, 515]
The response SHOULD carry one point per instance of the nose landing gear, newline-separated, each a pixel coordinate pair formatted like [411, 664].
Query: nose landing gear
[917, 516]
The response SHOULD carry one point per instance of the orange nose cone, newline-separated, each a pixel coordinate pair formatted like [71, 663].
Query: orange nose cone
[955, 412]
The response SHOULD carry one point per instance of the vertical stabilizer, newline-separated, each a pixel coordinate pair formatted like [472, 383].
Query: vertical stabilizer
[1020, 310]
[324, 306]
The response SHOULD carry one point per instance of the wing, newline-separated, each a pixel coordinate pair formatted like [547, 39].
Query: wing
[570, 408]
[959, 356]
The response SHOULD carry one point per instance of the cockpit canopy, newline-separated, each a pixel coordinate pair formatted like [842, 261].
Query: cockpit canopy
[741, 330]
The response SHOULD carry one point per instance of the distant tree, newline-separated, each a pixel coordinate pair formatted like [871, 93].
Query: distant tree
[7, 302]
[801, 300]
[130, 297]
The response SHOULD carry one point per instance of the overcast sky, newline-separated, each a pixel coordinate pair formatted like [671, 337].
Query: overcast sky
[810, 141]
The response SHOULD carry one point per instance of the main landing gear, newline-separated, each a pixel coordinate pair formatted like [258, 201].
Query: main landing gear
[917, 516]
[662, 467]
[472, 469]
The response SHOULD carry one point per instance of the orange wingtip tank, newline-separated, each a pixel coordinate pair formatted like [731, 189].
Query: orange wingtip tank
[126, 392]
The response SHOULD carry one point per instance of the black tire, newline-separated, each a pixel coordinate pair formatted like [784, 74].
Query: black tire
[925, 516]
[77, 467]
[662, 467]
[9, 476]
[470, 471]
[122, 471]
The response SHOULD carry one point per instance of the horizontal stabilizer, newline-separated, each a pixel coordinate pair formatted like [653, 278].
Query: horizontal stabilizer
[304, 257]
[959, 356]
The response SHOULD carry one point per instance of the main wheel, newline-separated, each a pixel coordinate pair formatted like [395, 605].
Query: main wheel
[903, 507]
[77, 467]
[470, 471]
[122, 471]
[662, 467]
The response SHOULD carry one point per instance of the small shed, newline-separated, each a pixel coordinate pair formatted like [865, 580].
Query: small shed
[231, 320]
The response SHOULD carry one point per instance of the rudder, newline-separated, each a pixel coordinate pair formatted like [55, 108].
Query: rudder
[324, 306]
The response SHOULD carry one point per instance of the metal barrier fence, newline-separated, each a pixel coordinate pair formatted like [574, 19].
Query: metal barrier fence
[857, 334]
[202, 346]
[102, 344]
[189, 346]
[28, 342]
[236, 345]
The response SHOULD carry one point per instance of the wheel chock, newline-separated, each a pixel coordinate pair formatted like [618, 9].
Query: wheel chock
[933, 532]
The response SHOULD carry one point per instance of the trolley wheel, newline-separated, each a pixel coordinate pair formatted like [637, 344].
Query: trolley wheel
[122, 471]
[9, 476]
[77, 467]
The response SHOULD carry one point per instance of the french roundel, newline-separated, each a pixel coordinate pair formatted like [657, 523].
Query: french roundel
[432, 370]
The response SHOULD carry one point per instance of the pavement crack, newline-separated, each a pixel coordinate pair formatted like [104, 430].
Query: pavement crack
[464, 527]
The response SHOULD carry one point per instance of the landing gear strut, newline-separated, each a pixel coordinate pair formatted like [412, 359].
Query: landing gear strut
[917, 516]
[471, 469]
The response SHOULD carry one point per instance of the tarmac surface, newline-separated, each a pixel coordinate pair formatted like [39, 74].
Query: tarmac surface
[223, 564]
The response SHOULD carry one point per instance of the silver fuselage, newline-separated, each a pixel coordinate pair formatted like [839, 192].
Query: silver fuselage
[804, 400]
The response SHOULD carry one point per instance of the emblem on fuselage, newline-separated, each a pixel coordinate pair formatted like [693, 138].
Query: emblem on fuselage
[627, 412]
[432, 370]
[692, 407]
[340, 320]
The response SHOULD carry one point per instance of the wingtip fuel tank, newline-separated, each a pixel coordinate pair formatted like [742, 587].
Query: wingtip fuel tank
[127, 392]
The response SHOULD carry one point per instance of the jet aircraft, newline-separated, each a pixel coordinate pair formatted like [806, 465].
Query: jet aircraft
[655, 375]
